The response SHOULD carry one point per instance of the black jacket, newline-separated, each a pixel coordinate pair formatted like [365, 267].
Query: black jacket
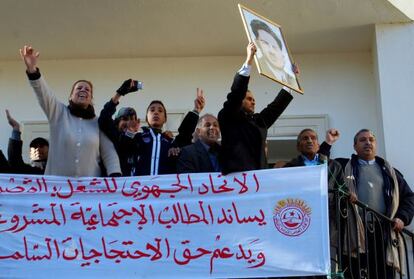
[243, 135]
[135, 153]
[108, 126]
[16, 162]
[4, 164]
[195, 158]
[405, 210]
[335, 173]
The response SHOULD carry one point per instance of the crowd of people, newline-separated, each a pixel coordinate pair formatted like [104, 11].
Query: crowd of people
[82, 144]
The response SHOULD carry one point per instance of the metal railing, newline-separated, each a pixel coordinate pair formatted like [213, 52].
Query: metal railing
[371, 249]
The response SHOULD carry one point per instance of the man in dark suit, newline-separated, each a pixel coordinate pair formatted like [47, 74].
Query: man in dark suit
[243, 131]
[202, 155]
[311, 154]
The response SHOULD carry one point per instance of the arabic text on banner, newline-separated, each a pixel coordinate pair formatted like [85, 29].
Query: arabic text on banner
[253, 224]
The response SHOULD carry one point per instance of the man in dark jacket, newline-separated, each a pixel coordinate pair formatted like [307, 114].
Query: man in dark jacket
[202, 156]
[374, 182]
[243, 131]
[311, 154]
[150, 152]
[365, 145]
[39, 150]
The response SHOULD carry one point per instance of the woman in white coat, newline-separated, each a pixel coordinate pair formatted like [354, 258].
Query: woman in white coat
[76, 146]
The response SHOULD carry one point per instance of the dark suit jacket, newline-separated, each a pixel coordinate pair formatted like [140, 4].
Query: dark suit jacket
[243, 136]
[4, 164]
[194, 158]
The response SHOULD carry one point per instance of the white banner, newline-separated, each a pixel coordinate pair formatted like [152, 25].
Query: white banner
[265, 223]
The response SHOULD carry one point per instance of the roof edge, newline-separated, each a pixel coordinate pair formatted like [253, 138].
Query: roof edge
[405, 6]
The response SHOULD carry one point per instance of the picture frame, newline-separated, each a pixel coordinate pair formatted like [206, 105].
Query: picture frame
[273, 58]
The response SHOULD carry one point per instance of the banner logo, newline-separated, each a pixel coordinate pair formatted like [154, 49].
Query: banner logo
[292, 217]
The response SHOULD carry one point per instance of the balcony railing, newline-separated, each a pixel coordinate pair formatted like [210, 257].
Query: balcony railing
[363, 251]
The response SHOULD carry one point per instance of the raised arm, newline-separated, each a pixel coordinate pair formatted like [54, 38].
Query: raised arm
[273, 110]
[189, 123]
[240, 85]
[14, 149]
[29, 57]
[332, 135]
[106, 123]
[109, 156]
[47, 100]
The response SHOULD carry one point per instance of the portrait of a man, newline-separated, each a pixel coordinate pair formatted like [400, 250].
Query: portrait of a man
[272, 57]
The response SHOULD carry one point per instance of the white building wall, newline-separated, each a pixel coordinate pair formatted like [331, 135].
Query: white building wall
[340, 85]
[395, 58]
[343, 87]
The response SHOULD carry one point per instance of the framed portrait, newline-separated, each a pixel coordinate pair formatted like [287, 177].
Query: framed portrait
[273, 59]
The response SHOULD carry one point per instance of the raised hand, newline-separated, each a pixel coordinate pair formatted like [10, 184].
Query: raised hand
[29, 57]
[332, 135]
[199, 102]
[251, 51]
[12, 122]
[127, 86]
[34, 154]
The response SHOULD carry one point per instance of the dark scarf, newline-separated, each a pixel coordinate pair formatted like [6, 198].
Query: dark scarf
[78, 111]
